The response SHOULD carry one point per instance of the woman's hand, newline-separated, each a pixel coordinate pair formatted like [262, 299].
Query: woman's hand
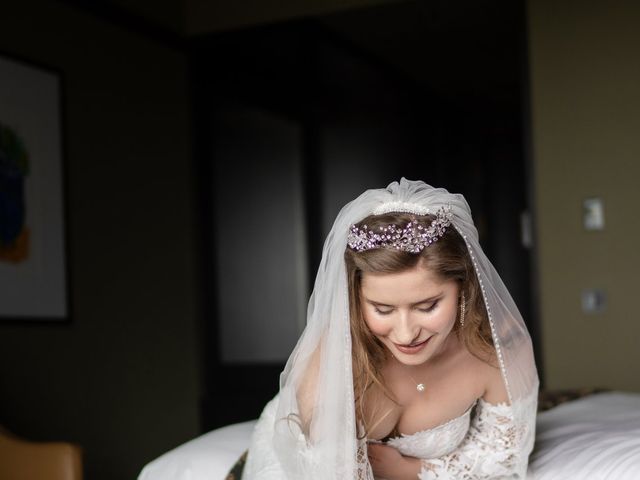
[389, 464]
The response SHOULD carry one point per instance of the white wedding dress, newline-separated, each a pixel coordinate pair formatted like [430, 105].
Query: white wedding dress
[485, 442]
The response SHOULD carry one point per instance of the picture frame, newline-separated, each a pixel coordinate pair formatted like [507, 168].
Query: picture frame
[33, 243]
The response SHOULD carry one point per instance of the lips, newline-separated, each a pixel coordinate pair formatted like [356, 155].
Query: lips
[413, 348]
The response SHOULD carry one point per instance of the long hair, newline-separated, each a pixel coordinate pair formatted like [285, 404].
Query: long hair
[447, 258]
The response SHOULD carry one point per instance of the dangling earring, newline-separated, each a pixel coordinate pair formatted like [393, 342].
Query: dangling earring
[463, 309]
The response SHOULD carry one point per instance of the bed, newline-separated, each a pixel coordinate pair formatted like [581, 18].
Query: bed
[593, 437]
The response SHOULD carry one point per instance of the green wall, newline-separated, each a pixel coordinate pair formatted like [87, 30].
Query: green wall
[585, 98]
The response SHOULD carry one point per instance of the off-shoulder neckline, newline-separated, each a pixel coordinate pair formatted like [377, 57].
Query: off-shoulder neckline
[466, 413]
[437, 427]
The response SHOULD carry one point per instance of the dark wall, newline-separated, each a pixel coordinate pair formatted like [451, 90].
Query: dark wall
[122, 378]
[342, 126]
[359, 123]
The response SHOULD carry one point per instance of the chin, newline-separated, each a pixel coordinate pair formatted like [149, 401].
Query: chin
[411, 360]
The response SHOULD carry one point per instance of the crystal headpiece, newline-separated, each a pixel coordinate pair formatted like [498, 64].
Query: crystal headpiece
[388, 207]
[412, 238]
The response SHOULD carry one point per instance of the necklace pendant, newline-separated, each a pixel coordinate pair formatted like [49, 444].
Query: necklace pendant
[420, 387]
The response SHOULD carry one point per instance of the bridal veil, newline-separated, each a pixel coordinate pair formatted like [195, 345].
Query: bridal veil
[285, 444]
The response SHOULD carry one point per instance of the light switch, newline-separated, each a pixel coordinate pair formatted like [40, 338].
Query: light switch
[526, 229]
[593, 214]
[593, 301]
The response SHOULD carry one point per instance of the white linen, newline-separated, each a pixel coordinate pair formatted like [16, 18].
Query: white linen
[596, 437]
[208, 457]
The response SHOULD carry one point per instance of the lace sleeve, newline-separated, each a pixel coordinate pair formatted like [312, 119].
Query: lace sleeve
[496, 445]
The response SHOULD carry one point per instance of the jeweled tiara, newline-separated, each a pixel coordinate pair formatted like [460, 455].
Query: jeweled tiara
[412, 238]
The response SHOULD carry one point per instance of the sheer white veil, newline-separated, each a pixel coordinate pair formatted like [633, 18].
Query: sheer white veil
[330, 449]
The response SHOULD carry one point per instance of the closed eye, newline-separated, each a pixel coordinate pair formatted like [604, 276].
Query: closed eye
[382, 312]
[425, 310]
[430, 308]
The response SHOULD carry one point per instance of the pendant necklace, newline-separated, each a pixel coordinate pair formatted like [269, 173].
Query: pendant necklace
[419, 386]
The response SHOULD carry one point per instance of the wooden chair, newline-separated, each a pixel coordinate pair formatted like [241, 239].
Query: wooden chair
[24, 460]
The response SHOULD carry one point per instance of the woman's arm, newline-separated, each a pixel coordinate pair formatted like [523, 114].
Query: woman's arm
[307, 390]
[386, 462]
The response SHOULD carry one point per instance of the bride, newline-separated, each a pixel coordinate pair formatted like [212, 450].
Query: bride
[415, 362]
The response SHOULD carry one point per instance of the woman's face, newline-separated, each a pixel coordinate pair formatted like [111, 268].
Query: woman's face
[411, 313]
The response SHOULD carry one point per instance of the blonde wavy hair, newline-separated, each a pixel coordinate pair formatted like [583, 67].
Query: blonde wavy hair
[449, 259]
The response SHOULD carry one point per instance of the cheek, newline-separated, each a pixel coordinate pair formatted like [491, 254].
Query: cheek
[446, 318]
[378, 326]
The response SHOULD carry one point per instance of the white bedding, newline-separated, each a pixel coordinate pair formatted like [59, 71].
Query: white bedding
[593, 438]
[208, 457]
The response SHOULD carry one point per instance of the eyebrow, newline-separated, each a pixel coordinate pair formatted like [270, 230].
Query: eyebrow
[426, 300]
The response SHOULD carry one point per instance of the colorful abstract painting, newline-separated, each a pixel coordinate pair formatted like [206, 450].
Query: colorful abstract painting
[14, 170]
[33, 263]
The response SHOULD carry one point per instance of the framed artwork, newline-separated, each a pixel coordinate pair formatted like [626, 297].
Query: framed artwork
[33, 274]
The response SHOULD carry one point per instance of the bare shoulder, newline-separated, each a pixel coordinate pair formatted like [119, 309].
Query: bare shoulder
[487, 376]
[494, 388]
[307, 389]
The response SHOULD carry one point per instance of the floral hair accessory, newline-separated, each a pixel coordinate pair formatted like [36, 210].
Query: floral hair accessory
[413, 238]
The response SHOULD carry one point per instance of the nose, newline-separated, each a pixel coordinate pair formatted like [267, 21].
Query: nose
[406, 331]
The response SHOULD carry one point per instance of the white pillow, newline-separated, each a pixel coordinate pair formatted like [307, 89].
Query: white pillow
[596, 437]
[208, 457]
